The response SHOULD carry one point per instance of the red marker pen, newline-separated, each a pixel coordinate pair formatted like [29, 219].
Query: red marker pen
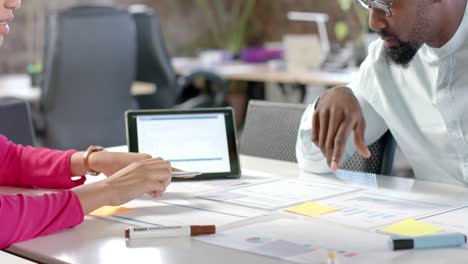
[168, 231]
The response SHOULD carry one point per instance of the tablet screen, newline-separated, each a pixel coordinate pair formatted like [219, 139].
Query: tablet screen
[191, 142]
[200, 140]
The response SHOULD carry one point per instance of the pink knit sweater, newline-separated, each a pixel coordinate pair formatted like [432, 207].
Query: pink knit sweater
[24, 217]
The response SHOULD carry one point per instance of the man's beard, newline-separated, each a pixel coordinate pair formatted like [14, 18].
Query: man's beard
[401, 55]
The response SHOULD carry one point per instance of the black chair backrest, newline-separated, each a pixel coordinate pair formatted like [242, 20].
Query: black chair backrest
[89, 69]
[154, 62]
[154, 65]
[270, 131]
[381, 160]
[16, 121]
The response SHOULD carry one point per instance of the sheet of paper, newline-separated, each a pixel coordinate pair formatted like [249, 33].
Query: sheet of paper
[311, 209]
[278, 194]
[372, 209]
[195, 187]
[148, 212]
[451, 221]
[305, 242]
[412, 228]
[110, 210]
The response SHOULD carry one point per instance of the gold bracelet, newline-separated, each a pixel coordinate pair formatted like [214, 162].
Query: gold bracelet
[86, 155]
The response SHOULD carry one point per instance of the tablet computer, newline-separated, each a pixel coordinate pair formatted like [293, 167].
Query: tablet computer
[202, 140]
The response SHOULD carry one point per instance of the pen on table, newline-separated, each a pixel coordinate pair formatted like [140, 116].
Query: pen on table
[169, 231]
[431, 241]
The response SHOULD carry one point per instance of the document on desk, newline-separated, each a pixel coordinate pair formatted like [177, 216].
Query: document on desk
[248, 177]
[372, 209]
[278, 194]
[451, 221]
[148, 212]
[303, 241]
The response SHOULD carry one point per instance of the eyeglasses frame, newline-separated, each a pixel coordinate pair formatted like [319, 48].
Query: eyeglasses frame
[380, 5]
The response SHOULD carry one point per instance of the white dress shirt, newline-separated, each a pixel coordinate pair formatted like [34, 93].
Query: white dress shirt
[425, 106]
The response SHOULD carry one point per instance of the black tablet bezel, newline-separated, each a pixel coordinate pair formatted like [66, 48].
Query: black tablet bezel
[132, 135]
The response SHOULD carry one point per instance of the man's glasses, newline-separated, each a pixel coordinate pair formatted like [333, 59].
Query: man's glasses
[378, 5]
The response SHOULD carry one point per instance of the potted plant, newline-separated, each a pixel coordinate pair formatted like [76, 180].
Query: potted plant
[227, 22]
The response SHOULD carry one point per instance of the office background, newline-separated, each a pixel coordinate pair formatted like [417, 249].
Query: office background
[188, 28]
[184, 24]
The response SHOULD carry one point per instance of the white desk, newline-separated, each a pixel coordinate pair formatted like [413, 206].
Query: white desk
[101, 241]
[19, 85]
[7, 258]
[261, 72]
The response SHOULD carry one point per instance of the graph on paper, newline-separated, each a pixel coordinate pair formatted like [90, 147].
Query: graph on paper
[371, 209]
[302, 241]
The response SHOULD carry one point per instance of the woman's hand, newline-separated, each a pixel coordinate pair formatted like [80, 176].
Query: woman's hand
[141, 177]
[105, 162]
[109, 163]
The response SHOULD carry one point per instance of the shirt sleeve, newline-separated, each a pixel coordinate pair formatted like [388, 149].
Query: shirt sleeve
[309, 156]
[24, 217]
[35, 167]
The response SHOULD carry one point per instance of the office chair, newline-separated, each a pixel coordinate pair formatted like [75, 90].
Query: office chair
[16, 121]
[154, 66]
[270, 131]
[88, 73]
[381, 161]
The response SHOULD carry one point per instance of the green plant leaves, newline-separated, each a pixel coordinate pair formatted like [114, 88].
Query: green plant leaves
[345, 4]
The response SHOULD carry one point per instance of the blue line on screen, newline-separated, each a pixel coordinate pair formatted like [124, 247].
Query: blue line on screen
[178, 118]
[189, 160]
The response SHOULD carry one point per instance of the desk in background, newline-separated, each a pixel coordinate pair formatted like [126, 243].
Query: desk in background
[261, 72]
[19, 86]
[102, 241]
[258, 75]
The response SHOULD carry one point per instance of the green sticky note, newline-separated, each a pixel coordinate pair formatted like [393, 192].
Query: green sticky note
[311, 209]
[110, 211]
[412, 228]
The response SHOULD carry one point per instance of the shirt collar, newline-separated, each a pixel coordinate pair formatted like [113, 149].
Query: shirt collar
[456, 42]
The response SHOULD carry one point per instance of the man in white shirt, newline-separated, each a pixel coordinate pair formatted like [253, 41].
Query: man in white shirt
[414, 83]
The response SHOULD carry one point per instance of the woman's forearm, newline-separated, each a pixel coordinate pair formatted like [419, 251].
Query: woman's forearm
[93, 196]
[103, 161]
[76, 164]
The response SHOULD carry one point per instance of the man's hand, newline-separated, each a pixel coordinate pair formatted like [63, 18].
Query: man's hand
[337, 114]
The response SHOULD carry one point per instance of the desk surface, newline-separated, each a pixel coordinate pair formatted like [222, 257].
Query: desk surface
[19, 85]
[101, 241]
[7, 258]
[261, 72]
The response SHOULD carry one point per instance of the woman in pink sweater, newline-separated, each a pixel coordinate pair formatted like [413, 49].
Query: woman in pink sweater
[24, 217]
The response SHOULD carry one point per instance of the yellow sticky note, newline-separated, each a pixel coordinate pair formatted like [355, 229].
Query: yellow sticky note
[110, 211]
[311, 209]
[411, 227]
